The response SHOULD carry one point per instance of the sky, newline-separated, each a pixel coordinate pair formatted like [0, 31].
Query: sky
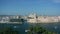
[25, 7]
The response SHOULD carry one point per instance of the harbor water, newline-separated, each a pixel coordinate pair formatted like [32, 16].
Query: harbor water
[22, 27]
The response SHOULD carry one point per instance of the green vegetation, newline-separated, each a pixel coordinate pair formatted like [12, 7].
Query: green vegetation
[39, 30]
[8, 31]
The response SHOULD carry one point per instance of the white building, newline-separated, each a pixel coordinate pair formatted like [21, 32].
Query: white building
[32, 18]
[42, 19]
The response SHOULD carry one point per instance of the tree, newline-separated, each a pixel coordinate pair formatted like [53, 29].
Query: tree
[39, 30]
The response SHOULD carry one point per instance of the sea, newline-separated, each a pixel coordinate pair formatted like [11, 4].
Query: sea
[22, 27]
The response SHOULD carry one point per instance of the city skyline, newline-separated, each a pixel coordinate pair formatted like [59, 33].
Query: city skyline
[24, 7]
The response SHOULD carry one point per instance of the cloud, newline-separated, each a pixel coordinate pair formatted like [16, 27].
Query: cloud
[56, 1]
